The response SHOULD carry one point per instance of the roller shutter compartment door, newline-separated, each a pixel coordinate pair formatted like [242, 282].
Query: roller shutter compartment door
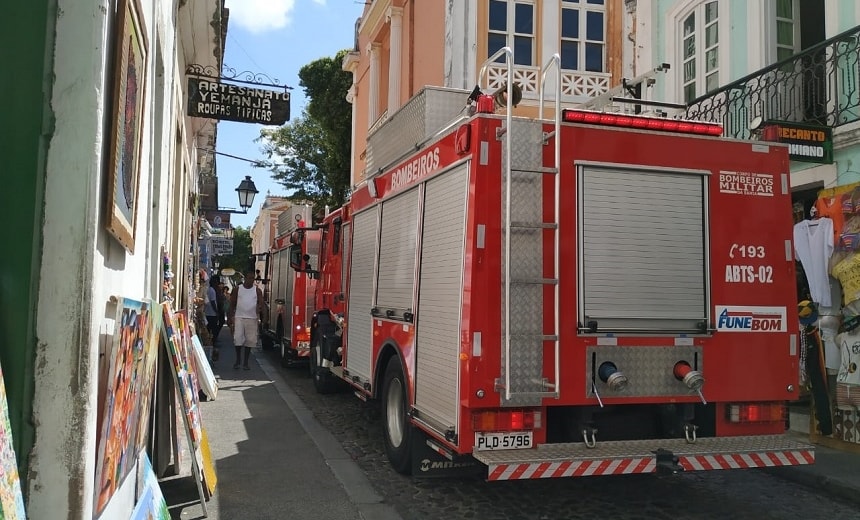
[397, 244]
[642, 250]
[440, 297]
[360, 301]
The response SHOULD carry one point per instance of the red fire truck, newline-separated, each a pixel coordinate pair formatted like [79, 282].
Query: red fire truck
[292, 273]
[591, 294]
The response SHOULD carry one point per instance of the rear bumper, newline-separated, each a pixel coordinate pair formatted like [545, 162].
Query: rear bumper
[626, 457]
[301, 352]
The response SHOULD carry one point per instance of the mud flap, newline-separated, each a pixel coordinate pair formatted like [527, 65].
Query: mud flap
[427, 462]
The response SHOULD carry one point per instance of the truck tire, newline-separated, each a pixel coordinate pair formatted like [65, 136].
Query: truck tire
[397, 431]
[323, 379]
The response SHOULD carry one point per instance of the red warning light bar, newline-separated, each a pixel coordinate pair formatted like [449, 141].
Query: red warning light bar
[641, 122]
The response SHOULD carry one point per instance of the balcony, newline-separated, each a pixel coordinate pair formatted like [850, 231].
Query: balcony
[576, 86]
[819, 86]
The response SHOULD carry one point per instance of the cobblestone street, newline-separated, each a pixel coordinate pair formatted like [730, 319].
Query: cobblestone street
[703, 495]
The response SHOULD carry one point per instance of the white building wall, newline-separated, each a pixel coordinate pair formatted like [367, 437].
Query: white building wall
[83, 265]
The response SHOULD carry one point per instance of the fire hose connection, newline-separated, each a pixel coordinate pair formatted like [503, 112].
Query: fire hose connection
[614, 378]
[692, 378]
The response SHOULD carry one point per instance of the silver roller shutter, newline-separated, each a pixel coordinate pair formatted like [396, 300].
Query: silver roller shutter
[642, 245]
[440, 293]
[360, 301]
[344, 253]
[397, 246]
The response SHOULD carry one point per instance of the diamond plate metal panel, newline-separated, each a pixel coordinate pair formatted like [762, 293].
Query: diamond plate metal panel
[648, 369]
[527, 309]
[526, 245]
[526, 319]
[643, 448]
[526, 144]
[526, 198]
[426, 113]
[526, 370]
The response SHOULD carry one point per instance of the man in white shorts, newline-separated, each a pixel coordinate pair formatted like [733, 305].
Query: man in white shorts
[246, 305]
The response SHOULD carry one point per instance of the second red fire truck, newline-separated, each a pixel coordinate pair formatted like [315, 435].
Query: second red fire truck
[291, 268]
[588, 294]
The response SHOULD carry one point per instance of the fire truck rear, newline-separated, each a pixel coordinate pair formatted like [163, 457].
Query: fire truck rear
[597, 293]
[291, 272]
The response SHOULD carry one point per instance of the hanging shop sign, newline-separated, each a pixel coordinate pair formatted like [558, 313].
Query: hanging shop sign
[213, 99]
[806, 143]
[222, 246]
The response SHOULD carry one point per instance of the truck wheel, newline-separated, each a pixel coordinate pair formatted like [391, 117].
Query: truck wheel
[323, 380]
[286, 362]
[395, 423]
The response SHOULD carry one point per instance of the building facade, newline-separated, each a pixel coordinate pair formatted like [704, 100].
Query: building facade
[69, 144]
[401, 47]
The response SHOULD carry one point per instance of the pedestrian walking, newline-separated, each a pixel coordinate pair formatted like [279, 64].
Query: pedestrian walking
[210, 308]
[246, 306]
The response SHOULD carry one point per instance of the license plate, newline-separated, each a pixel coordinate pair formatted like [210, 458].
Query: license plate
[503, 441]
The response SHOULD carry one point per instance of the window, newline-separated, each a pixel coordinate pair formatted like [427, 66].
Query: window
[786, 24]
[512, 24]
[583, 35]
[700, 51]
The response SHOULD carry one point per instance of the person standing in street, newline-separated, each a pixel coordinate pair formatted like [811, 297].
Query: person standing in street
[246, 305]
[211, 310]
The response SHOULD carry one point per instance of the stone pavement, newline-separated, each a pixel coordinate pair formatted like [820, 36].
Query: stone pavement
[272, 459]
[835, 472]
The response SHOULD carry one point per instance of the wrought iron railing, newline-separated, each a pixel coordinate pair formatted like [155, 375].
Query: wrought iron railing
[820, 86]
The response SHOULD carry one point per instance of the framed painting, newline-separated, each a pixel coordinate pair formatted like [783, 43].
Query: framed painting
[123, 171]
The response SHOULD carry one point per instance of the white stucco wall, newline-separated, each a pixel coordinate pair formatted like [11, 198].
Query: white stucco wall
[83, 265]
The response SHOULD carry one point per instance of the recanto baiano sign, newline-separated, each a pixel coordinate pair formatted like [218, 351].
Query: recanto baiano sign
[216, 100]
[807, 143]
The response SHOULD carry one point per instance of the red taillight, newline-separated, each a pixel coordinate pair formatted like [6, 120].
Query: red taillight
[755, 412]
[646, 123]
[506, 420]
[303, 334]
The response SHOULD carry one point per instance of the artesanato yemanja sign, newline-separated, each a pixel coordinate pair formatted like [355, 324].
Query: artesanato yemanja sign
[216, 100]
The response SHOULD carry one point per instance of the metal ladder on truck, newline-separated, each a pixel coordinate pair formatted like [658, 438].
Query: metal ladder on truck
[523, 381]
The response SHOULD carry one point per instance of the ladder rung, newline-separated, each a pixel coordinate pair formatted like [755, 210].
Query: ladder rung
[542, 337]
[535, 281]
[539, 171]
[534, 225]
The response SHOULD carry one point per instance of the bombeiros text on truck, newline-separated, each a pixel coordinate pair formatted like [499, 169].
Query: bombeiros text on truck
[598, 292]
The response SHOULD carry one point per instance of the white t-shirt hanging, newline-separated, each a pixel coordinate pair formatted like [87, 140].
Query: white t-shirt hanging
[813, 245]
[849, 367]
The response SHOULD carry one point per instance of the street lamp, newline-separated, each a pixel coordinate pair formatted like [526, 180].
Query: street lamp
[228, 232]
[246, 191]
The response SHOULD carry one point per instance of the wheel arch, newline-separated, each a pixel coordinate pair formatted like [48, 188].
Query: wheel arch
[388, 351]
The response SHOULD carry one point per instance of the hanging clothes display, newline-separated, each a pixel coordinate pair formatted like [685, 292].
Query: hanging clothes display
[833, 206]
[813, 245]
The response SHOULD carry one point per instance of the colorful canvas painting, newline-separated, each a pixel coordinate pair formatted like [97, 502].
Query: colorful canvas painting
[11, 499]
[177, 335]
[128, 396]
[150, 502]
[131, 48]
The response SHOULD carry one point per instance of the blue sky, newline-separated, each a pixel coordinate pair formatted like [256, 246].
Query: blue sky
[276, 38]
